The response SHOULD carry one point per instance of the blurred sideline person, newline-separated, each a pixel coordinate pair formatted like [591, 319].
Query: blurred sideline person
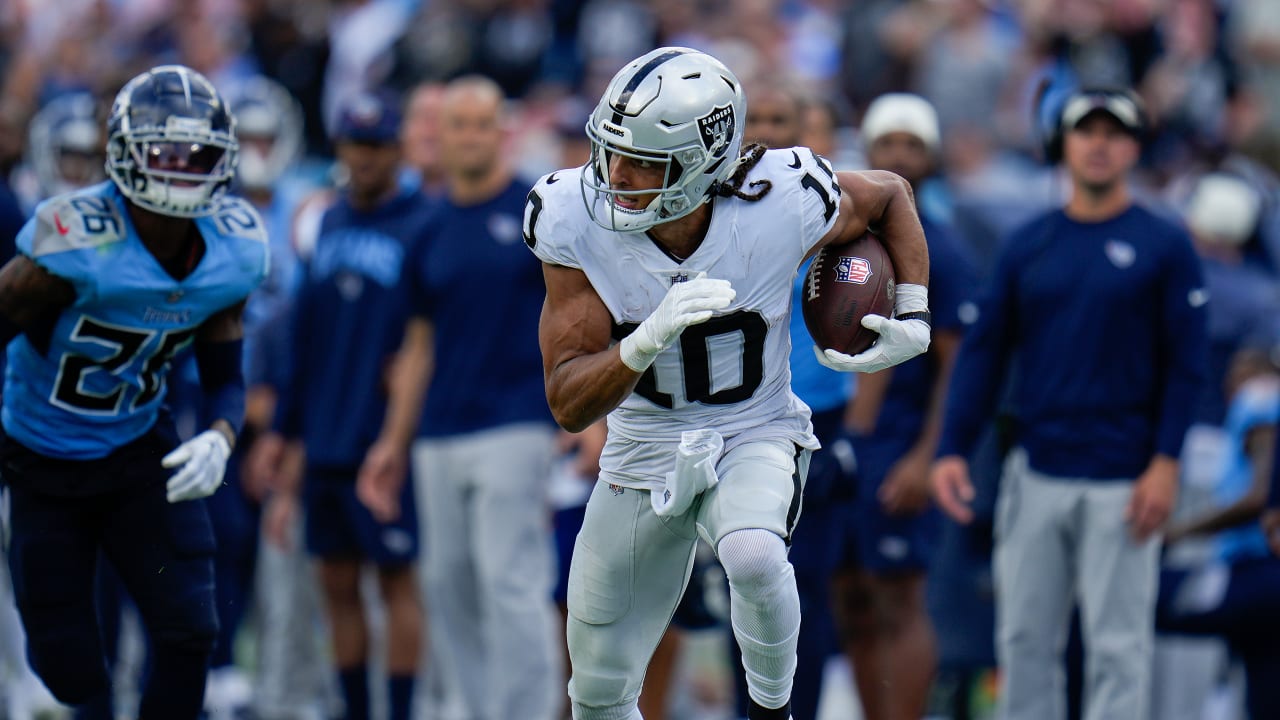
[895, 420]
[65, 145]
[289, 671]
[1094, 474]
[467, 403]
[1234, 593]
[420, 137]
[347, 320]
[110, 284]
[705, 436]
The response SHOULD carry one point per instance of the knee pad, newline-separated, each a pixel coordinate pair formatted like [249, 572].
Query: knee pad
[754, 560]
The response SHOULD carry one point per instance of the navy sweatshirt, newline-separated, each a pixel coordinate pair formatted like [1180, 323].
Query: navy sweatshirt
[1100, 329]
[348, 321]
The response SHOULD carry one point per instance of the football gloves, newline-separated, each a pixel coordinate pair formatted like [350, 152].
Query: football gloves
[685, 304]
[900, 339]
[202, 461]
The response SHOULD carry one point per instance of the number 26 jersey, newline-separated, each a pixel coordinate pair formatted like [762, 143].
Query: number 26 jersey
[730, 373]
[100, 382]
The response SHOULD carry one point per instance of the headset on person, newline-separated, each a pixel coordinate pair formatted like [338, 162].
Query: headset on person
[1121, 103]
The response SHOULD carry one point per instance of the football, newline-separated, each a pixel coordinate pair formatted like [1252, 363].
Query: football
[843, 284]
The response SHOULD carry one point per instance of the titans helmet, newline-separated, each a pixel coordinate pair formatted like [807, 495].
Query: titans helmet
[171, 144]
[65, 144]
[674, 106]
[269, 130]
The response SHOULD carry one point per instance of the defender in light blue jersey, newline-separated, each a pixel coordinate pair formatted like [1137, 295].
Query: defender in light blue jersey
[110, 284]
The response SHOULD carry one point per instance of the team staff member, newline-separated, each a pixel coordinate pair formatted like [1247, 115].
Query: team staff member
[1097, 310]
[896, 418]
[469, 385]
[348, 317]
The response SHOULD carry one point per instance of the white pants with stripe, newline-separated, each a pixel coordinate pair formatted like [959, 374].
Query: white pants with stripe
[630, 566]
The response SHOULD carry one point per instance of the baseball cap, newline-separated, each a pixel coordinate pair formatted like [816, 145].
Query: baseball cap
[369, 118]
[1119, 104]
[901, 112]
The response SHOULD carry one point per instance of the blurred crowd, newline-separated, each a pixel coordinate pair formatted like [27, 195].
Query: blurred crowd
[1208, 71]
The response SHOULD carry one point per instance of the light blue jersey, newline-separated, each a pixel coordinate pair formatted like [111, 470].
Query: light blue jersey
[1256, 404]
[102, 379]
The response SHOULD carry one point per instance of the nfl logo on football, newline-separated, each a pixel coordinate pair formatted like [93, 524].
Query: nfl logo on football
[854, 270]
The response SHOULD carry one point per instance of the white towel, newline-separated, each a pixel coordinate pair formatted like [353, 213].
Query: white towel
[695, 472]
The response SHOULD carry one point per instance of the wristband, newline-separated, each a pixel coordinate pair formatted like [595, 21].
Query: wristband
[633, 356]
[924, 315]
[910, 297]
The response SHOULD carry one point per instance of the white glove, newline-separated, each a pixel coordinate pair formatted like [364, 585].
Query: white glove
[695, 472]
[899, 339]
[687, 303]
[203, 460]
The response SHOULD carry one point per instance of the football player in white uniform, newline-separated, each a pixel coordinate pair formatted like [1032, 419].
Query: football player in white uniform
[669, 261]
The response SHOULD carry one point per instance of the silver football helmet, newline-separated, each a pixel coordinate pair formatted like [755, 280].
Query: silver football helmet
[673, 106]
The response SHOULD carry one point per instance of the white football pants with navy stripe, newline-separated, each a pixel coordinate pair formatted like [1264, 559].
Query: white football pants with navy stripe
[488, 564]
[630, 568]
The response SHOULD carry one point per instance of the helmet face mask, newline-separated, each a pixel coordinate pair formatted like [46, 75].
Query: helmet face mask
[171, 145]
[677, 107]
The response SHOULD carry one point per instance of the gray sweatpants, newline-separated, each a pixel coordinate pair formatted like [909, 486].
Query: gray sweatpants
[488, 570]
[1059, 541]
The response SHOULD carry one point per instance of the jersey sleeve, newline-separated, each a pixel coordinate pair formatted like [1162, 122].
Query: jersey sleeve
[548, 218]
[237, 220]
[810, 184]
[66, 233]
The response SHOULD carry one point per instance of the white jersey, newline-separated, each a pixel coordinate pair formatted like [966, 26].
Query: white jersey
[731, 373]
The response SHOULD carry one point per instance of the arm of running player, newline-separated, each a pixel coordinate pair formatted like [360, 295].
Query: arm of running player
[585, 377]
[201, 462]
[30, 297]
[883, 202]
[385, 466]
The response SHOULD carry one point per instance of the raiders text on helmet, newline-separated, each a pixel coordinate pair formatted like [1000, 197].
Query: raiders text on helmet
[675, 106]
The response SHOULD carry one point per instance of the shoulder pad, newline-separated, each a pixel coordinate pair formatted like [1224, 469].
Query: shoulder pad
[798, 160]
[553, 217]
[75, 222]
[236, 217]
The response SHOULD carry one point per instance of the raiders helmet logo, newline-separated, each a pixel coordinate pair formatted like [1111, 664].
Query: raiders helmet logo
[716, 128]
